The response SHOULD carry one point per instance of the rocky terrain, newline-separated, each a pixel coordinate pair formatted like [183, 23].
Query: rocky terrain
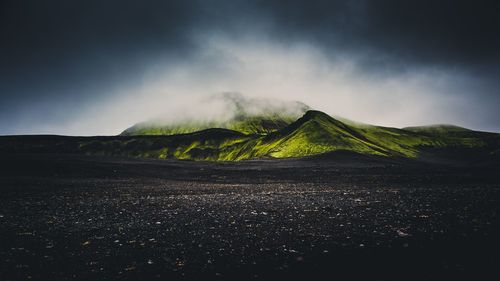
[74, 217]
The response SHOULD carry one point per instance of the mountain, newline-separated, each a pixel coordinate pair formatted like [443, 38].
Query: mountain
[245, 115]
[314, 133]
[437, 129]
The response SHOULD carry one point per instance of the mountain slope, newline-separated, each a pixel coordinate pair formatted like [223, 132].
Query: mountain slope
[317, 133]
[437, 129]
[312, 134]
[245, 115]
[261, 124]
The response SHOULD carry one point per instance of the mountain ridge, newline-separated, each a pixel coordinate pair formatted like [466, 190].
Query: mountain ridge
[314, 133]
[246, 115]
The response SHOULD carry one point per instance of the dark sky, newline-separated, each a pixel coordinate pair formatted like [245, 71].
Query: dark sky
[95, 67]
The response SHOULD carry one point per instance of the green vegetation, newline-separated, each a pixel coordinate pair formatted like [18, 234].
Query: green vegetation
[260, 125]
[258, 137]
[437, 129]
[245, 115]
[314, 133]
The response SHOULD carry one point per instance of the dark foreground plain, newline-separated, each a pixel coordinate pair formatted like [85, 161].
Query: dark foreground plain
[75, 217]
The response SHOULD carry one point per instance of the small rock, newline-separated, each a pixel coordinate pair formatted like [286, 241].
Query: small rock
[401, 233]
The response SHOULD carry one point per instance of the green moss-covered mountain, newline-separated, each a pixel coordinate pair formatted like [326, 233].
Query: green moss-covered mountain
[314, 133]
[245, 115]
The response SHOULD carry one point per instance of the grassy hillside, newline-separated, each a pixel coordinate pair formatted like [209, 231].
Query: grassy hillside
[437, 129]
[262, 124]
[245, 115]
[312, 134]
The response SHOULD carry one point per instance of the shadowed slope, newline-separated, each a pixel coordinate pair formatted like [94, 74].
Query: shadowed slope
[314, 133]
[437, 129]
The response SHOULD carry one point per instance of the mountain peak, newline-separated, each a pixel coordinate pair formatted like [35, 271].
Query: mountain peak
[315, 114]
[243, 106]
[244, 114]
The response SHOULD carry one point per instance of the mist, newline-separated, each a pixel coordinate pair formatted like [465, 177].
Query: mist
[260, 69]
[168, 62]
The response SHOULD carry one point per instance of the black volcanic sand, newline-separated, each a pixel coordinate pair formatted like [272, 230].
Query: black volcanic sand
[65, 217]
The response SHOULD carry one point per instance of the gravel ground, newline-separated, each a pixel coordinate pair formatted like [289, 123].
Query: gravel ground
[66, 217]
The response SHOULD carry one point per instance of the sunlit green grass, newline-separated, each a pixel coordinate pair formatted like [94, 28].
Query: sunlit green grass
[314, 133]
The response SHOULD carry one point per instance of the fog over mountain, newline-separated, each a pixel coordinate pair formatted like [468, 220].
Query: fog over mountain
[226, 110]
[93, 67]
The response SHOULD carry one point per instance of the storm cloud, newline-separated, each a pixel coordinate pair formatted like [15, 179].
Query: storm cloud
[96, 67]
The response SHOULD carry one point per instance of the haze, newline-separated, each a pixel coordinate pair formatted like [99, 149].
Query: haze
[89, 68]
